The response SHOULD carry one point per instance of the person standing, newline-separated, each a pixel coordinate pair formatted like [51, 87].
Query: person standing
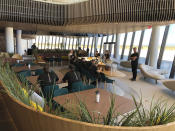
[35, 51]
[134, 63]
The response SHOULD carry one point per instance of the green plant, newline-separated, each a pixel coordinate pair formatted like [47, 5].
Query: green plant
[14, 87]
[111, 114]
[159, 113]
[83, 112]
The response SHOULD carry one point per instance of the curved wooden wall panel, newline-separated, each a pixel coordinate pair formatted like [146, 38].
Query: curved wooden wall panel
[28, 119]
[93, 11]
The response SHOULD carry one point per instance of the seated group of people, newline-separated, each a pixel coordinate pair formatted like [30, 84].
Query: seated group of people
[106, 55]
[90, 66]
[49, 77]
[78, 53]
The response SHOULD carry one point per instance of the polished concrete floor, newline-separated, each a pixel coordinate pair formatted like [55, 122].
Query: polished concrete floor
[145, 89]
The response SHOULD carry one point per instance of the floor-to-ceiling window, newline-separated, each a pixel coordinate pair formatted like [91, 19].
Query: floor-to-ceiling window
[169, 51]
[145, 44]
[86, 43]
[127, 47]
[121, 42]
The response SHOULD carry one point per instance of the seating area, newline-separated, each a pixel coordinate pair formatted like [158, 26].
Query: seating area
[170, 84]
[87, 75]
[49, 91]
[125, 64]
[151, 72]
[87, 65]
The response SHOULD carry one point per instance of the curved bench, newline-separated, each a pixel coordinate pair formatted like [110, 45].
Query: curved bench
[126, 64]
[170, 83]
[150, 72]
[28, 119]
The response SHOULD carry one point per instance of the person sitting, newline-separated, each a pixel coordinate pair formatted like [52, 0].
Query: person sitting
[80, 52]
[47, 78]
[107, 55]
[72, 76]
[25, 52]
[97, 54]
[94, 71]
[33, 46]
[86, 64]
[82, 62]
[70, 54]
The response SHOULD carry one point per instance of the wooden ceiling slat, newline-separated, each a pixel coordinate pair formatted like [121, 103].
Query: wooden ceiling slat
[93, 11]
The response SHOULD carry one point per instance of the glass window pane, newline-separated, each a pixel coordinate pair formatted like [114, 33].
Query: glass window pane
[122, 36]
[104, 40]
[82, 42]
[36, 41]
[43, 42]
[67, 43]
[75, 43]
[60, 42]
[56, 43]
[162, 29]
[145, 44]
[98, 43]
[169, 52]
[90, 43]
[86, 42]
[128, 43]
[137, 39]
[46, 44]
[50, 41]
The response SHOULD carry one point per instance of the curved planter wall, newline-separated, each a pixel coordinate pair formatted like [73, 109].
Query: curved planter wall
[28, 119]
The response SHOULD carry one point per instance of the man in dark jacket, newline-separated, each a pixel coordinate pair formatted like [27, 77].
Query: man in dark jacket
[93, 69]
[47, 78]
[71, 76]
[134, 63]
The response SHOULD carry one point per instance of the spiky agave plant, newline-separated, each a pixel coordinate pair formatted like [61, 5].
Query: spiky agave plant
[159, 113]
[11, 83]
[111, 116]
[14, 87]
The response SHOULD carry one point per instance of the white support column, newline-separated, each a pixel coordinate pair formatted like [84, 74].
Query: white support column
[9, 39]
[19, 47]
[154, 46]
[117, 47]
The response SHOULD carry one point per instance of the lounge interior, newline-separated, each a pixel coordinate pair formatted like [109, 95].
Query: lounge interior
[87, 65]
